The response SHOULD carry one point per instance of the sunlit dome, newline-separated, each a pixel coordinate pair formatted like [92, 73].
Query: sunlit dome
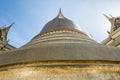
[60, 23]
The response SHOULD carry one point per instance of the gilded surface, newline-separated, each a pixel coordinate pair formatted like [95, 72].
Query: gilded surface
[61, 73]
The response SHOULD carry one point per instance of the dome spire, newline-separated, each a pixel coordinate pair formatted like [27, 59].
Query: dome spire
[60, 23]
[60, 15]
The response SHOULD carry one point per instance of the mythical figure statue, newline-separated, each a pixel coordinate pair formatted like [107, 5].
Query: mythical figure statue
[115, 23]
[3, 32]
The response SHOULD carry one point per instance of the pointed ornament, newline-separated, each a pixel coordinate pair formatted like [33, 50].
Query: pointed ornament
[109, 18]
[60, 15]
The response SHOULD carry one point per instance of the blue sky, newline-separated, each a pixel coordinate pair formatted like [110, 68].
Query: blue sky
[31, 15]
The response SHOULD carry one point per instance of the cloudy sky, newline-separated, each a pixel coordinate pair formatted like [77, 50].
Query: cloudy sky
[31, 15]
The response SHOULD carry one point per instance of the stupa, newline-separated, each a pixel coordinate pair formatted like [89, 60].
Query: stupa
[61, 51]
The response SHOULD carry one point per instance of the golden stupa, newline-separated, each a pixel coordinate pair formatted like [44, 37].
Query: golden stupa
[61, 51]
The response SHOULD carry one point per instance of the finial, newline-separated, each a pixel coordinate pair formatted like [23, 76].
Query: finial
[109, 18]
[60, 15]
[11, 25]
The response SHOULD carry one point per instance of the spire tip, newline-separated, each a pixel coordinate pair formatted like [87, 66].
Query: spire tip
[60, 15]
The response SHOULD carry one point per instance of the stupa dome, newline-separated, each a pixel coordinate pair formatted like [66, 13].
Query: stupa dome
[60, 23]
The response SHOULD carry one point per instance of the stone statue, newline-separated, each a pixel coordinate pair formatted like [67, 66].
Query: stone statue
[3, 32]
[115, 22]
